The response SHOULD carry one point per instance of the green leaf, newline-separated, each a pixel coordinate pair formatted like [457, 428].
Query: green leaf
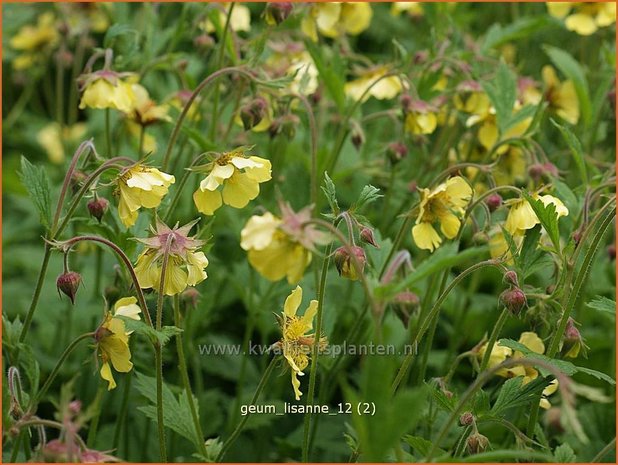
[176, 412]
[163, 336]
[529, 252]
[565, 367]
[548, 217]
[331, 194]
[443, 401]
[368, 195]
[573, 71]
[502, 91]
[499, 35]
[421, 445]
[36, 182]
[564, 454]
[603, 305]
[332, 79]
[576, 149]
[31, 367]
[512, 394]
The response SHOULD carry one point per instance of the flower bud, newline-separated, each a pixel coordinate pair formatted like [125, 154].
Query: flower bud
[493, 202]
[277, 12]
[358, 138]
[611, 252]
[572, 343]
[253, 112]
[406, 101]
[97, 207]
[466, 419]
[68, 283]
[553, 419]
[204, 42]
[421, 57]
[190, 297]
[77, 178]
[344, 262]
[476, 443]
[396, 151]
[514, 300]
[480, 238]
[366, 236]
[510, 278]
[405, 303]
[75, 407]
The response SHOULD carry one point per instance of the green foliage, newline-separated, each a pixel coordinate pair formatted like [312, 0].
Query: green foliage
[36, 182]
[576, 149]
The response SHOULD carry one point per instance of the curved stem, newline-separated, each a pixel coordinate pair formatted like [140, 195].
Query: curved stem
[182, 366]
[241, 424]
[68, 244]
[208, 80]
[160, 422]
[37, 293]
[52, 376]
[423, 326]
[603, 452]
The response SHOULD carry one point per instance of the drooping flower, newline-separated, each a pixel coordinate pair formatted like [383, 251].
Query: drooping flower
[374, 82]
[239, 174]
[500, 353]
[561, 96]
[336, 19]
[239, 21]
[292, 60]
[444, 205]
[582, 17]
[113, 340]
[521, 216]
[145, 111]
[297, 340]
[281, 247]
[420, 117]
[414, 9]
[34, 41]
[108, 89]
[53, 139]
[185, 263]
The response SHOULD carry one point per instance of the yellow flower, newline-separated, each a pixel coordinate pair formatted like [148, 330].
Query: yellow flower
[414, 9]
[511, 167]
[421, 118]
[240, 177]
[587, 18]
[364, 87]
[106, 89]
[297, 341]
[445, 204]
[561, 96]
[113, 340]
[33, 41]
[280, 247]
[185, 264]
[140, 186]
[239, 21]
[53, 139]
[522, 217]
[499, 248]
[179, 99]
[499, 354]
[335, 19]
[145, 111]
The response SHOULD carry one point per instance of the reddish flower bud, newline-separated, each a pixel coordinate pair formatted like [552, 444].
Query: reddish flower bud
[396, 152]
[406, 102]
[77, 178]
[358, 138]
[68, 283]
[253, 112]
[553, 419]
[510, 278]
[405, 303]
[476, 443]
[514, 300]
[277, 12]
[97, 207]
[190, 297]
[366, 236]
[75, 406]
[420, 57]
[204, 41]
[466, 419]
[493, 202]
[611, 252]
[345, 264]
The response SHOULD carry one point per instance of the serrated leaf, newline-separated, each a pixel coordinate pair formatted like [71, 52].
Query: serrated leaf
[31, 367]
[576, 149]
[36, 182]
[176, 413]
[502, 91]
[331, 194]
[512, 394]
[368, 195]
[565, 367]
[498, 35]
[573, 71]
[163, 336]
[421, 445]
[564, 454]
[529, 252]
[548, 217]
[443, 401]
[604, 305]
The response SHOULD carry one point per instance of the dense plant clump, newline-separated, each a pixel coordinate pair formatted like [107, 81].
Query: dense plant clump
[275, 232]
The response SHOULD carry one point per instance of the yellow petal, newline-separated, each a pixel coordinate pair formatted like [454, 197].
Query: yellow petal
[356, 17]
[258, 232]
[559, 9]
[296, 385]
[196, 263]
[261, 173]
[175, 279]
[239, 190]
[532, 341]
[449, 225]
[118, 352]
[459, 192]
[207, 202]
[106, 374]
[307, 318]
[426, 237]
[292, 302]
[581, 23]
[488, 134]
[521, 217]
[127, 306]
